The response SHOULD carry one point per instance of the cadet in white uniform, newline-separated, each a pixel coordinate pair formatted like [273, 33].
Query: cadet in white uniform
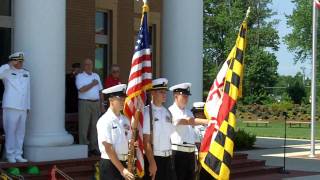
[113, 137]
[198, 112]
[15, 104]
[156, 134]
[183, 138]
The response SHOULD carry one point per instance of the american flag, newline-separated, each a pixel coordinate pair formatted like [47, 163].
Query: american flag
[140, 80]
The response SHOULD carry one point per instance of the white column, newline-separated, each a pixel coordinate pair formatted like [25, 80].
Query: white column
[182, 39]
[40, 31]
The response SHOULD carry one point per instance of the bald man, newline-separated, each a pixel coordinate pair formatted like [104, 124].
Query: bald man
[90, 105]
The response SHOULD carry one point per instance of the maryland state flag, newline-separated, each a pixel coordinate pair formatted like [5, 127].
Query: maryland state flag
[216, 149]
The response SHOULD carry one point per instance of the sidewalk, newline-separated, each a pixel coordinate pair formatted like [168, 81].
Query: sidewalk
[297, 155]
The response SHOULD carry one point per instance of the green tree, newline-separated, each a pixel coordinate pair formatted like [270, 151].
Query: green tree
[222, 20]
[296, 89]
[299, 40]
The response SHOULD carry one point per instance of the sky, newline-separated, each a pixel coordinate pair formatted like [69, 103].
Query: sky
[285, 58]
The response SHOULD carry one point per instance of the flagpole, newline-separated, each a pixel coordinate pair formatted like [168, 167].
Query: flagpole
[313, 88]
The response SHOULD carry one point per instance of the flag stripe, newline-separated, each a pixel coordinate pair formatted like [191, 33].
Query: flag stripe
[140, 84]
[139, 66]
[143, 72]
[142, 55]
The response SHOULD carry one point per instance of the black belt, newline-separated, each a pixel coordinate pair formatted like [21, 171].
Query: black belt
[89, 100]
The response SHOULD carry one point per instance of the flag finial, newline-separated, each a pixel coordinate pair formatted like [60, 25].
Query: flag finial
[248, 12]
[145, 7]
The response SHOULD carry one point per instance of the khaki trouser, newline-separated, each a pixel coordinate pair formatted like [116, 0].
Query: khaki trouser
[88, 116]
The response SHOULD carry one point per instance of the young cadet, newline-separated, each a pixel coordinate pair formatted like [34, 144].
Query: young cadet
[183, 138]
[157, 129]
[198, 112]
[113, 136]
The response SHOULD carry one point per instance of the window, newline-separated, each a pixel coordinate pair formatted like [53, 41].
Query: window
[103, 43]
[152, 42]
[5, 44]
[100, 60]
[101, 23]
[5, 8]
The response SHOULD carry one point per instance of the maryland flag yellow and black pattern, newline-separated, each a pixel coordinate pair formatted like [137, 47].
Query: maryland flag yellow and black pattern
[218, 143]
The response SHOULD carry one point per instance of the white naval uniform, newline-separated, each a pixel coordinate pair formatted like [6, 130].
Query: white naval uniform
[111, 129]
[162, 129]
[15, 103]
[184, 135]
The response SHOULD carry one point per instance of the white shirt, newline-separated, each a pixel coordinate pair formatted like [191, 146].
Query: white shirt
[184, 134]
[162, 127]
[111, 129]
[16, 88]
[83, 79]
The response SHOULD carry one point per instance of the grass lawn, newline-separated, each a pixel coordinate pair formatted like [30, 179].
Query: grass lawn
[276, 129]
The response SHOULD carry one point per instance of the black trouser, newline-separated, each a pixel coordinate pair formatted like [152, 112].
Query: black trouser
[164, 168]
[108, 171]
[184, 165]
[204, 175]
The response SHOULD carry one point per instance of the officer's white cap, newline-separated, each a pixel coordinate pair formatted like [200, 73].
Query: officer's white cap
[198, 105]
[117, 90]
[17, 56]
[160, 83]
[183, 88]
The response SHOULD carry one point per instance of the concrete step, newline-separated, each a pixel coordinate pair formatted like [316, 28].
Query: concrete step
[246, 163]
[238, 156]
[75, 168]
[253, 171]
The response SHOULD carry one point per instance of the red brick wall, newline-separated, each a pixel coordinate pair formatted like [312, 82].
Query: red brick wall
[125, 37]
[80, 36]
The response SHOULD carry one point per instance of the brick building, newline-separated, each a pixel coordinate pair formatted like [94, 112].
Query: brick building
[56, 33]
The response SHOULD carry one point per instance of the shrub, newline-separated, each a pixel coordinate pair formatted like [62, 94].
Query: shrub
[282, 106]
[297, 91]
[244, 140]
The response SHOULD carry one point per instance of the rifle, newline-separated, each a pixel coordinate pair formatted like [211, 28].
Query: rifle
[132, 148]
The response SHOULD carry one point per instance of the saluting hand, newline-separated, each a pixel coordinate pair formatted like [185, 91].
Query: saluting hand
[127, 175]
[94, 82]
